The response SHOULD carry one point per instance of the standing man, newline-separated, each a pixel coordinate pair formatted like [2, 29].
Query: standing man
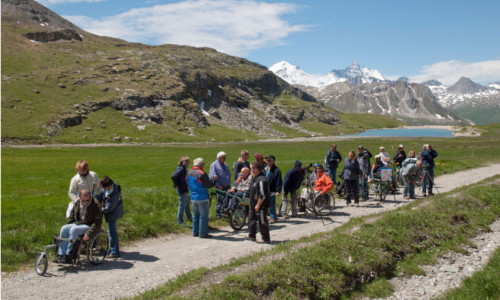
[351, 174]
[259, 203]
[241, 163]
[223, 181]
[199, 183]
[332, 160]
[428, 156]
[364, 165]
[291, 184]
[273, 176]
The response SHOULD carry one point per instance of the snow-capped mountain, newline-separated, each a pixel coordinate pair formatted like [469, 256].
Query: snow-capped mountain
[353, 74]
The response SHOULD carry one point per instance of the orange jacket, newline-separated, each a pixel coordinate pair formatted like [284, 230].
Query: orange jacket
[323, 183]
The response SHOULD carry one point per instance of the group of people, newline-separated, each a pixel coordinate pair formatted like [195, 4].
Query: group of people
[261, 181]
[91, 198]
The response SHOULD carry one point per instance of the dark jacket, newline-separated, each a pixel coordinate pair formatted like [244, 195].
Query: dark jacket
[259, 189]
[179, 180]
[351, 169]
[364, 161]
[331, 159]
[112, 205]
[293, 180]
[92, 217]
[237, 166]
[274, 179]
[428, 158]
[399, 160]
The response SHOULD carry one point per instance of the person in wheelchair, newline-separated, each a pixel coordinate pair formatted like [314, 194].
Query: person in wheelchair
[85, 219]
[376, 167]
[322, 185]
[239, 189]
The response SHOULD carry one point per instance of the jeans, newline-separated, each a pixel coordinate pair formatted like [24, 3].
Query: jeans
[183, 207]
[428, 180]
[333, 174]
[70, 231]
[200, 217]
[293, 203]
[364, 186]
[272, 208]
[261, 218]
[113, 238]
[220, 201]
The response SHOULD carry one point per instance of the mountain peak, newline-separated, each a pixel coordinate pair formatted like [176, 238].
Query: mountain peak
[465, 86]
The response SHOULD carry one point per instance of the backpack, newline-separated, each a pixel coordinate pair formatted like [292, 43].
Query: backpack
[409, 170]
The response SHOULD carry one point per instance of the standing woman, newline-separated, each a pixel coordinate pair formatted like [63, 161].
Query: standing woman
[112, 208]
[351, 173]
[181, 187]
[83, 180]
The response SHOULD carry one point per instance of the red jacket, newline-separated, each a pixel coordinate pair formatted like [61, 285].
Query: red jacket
[323, 183]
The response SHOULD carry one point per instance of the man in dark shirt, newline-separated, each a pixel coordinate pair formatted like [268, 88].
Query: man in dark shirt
[273, 175]
[259, 203]
[332, 160]
[291, 184]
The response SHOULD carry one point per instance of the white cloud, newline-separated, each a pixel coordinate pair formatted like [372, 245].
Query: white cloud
[230, 26]
[49, 2]
[449, 72]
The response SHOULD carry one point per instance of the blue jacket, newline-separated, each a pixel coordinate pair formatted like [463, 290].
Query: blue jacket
[112, 205]
[293, 180]
[274, 178]
[179, 179]
[428, 158]
[331, 159]
[222, 172]
[351, 169]
[199, 183]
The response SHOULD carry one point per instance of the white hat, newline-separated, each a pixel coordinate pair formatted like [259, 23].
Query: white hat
[222, 153]
[382, 147]
[401, 146]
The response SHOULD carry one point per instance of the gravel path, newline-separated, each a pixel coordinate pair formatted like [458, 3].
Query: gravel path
[151, 262]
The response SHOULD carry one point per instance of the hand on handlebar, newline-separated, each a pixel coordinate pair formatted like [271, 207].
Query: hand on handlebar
[86, 238]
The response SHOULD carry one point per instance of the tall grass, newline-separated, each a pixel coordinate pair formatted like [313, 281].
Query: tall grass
[35, 182]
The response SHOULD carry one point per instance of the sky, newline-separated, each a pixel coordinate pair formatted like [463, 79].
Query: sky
[422, 40]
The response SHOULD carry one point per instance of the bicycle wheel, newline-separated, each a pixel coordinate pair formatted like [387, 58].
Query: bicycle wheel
[238, 218]
[41, 263]
[324, 204]
[98, 248]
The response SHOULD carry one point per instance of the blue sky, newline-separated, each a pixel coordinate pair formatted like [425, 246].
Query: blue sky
[422, 40]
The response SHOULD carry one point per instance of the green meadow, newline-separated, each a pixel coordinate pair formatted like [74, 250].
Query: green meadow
[35, 181]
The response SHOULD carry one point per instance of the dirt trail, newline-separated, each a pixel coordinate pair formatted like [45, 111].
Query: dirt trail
[151, 262]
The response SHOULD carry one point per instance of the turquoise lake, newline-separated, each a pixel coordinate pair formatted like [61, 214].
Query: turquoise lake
[406, 132]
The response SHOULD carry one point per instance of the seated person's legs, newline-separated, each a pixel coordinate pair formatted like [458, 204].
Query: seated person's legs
[235, 201]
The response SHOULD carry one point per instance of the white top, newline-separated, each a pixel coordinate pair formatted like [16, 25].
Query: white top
[78, 183]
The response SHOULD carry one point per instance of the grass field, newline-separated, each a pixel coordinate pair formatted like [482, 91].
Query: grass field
[35, 181]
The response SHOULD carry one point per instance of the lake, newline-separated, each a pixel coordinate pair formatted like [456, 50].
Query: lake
[406, 132]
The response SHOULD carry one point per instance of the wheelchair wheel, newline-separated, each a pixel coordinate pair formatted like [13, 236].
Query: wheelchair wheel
[238, 218]
[324, 204]
[41, 263]
[98, 248]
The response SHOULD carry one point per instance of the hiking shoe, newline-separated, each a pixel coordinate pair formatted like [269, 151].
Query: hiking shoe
[114, 255]
[424, 195]
[431, 194]
[263, 242]
[206, 236]
[249, 238]
[60, 259]
[196, 234]
[406, 197]
[413, 197]
[272, 221]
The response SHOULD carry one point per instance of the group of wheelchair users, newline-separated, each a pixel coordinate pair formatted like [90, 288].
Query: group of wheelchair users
[261, 181]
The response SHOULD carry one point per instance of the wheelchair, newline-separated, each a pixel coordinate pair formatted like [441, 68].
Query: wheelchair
[382, 184]
[238, 217]
[96, 249]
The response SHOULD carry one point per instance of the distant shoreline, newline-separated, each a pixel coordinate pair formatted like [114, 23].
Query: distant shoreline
[458, 131]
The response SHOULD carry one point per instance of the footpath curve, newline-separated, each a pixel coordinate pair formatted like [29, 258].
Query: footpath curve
[149, 263]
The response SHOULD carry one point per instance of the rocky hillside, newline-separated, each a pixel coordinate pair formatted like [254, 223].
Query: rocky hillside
[414, 103]
[62, 84]
[479, 103]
